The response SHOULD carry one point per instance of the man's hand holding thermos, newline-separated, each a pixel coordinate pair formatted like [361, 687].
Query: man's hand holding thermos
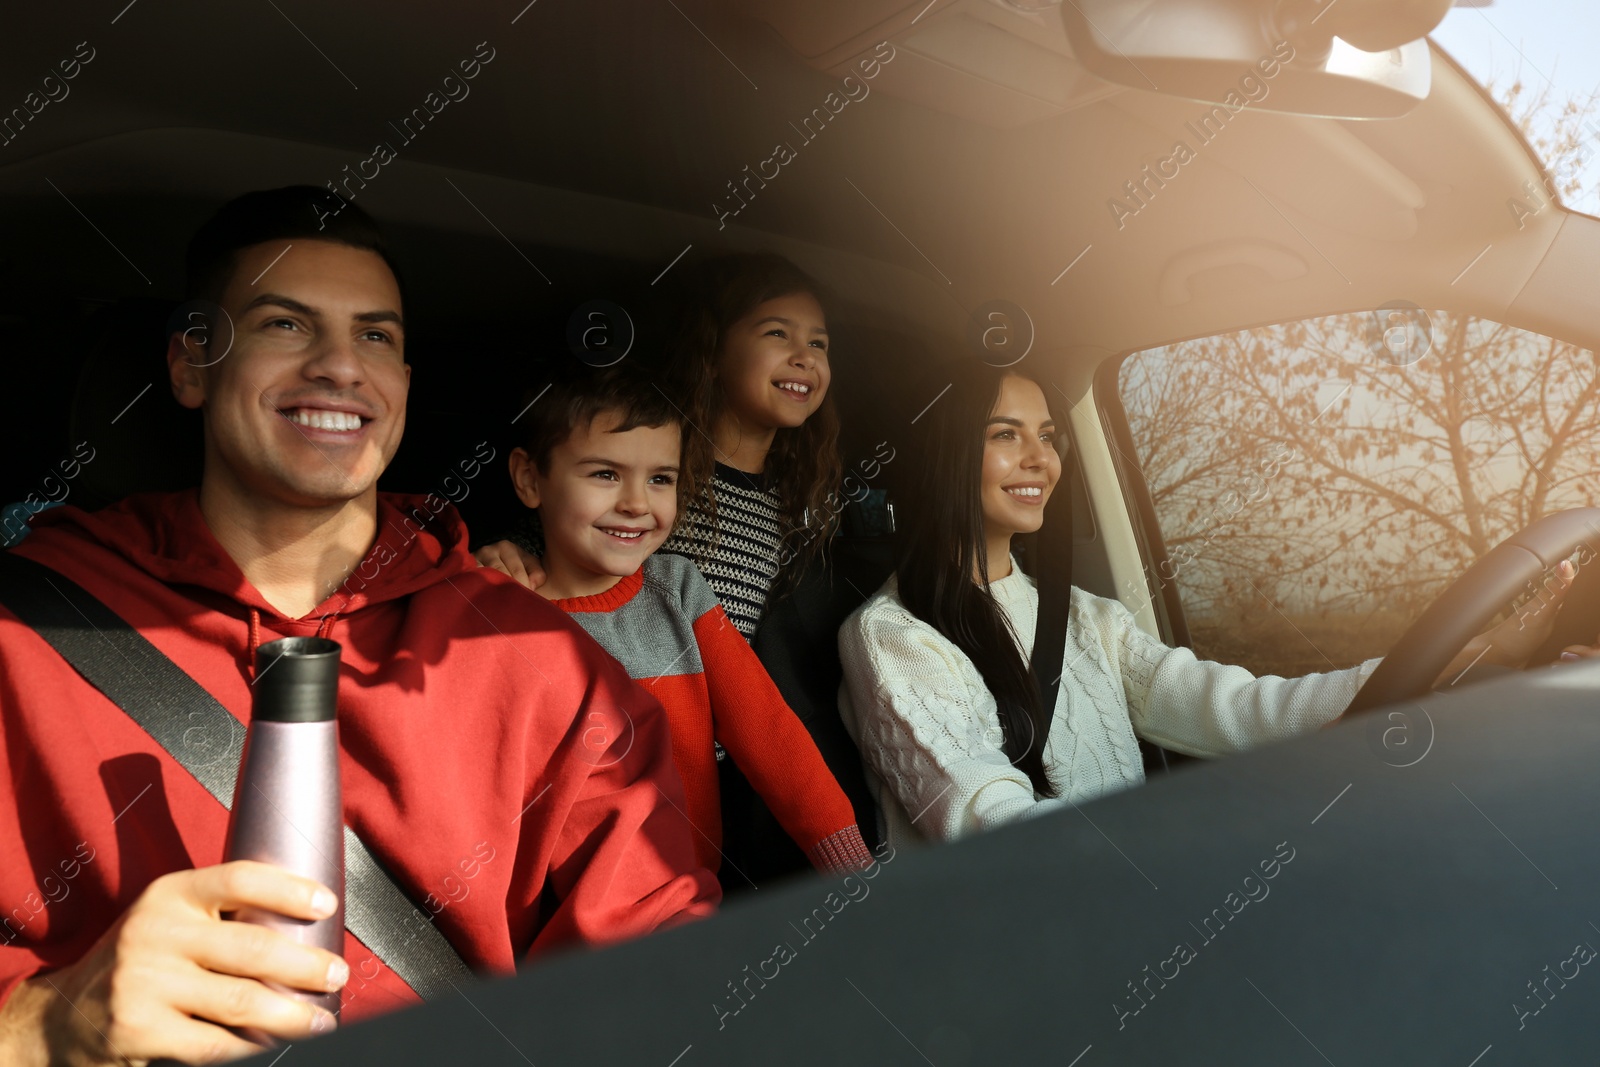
[173, 978]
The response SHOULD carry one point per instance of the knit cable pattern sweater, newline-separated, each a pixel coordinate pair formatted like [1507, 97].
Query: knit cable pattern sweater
[930, 735]
[664, 624]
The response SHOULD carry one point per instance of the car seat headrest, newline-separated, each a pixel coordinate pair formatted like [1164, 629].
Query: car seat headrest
[122, 407]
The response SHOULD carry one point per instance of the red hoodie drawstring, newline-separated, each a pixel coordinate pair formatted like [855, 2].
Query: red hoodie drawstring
[255, 643]
[323, 629]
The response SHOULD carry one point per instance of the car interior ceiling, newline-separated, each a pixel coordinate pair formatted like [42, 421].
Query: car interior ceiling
[910, 206]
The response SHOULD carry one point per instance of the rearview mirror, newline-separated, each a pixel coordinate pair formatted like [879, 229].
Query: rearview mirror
[1353, 59]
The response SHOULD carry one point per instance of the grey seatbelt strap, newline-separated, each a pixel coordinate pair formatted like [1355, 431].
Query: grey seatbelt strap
[205, 738]
[1053, 579]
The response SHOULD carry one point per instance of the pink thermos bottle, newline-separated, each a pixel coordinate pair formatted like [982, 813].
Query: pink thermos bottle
[287, 805]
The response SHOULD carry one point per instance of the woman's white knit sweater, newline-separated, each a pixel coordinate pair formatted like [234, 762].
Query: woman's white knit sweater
[930, 736]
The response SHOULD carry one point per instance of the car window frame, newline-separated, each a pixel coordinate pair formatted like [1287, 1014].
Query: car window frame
[1164, 600]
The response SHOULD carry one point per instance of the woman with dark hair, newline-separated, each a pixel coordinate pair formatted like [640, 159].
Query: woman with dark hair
[938, 693]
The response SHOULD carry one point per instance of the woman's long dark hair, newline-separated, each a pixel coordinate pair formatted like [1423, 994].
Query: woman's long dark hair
[948, 548]
[804, 462]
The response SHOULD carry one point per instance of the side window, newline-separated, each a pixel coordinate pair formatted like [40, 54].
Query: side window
[1317, 483]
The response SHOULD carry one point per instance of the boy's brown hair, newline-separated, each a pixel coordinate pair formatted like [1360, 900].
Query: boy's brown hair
[575, 395]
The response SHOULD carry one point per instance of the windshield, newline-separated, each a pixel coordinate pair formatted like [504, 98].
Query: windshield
[1537, 60]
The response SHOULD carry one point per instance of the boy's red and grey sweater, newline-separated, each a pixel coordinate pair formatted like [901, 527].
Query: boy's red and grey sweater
[666, 627]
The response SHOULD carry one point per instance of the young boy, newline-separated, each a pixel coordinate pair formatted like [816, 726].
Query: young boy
[601, 462]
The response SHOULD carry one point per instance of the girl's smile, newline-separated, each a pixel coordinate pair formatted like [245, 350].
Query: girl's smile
[773, 365]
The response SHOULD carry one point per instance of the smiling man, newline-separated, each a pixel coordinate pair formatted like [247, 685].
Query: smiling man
[473, 766]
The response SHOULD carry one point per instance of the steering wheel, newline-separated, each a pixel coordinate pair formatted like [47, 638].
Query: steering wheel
[1465, 609]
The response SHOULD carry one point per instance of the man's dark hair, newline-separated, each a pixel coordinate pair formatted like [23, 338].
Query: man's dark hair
[573, 395]
[295, 212]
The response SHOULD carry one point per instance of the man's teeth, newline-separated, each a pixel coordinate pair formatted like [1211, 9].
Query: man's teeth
[799, 388]
[1034, 491]
[317, 419]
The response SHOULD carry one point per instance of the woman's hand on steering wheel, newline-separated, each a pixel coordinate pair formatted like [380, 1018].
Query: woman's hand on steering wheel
[1430, 652]
[1510, 643]
[1576, 652]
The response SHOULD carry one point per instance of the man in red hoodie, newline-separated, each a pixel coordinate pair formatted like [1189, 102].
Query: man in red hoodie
[471, 762]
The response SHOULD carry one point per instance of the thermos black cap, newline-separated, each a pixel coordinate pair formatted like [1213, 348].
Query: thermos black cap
[297, 680]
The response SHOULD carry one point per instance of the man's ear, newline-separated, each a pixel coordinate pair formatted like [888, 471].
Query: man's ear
[185, 368]
[524, 476]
